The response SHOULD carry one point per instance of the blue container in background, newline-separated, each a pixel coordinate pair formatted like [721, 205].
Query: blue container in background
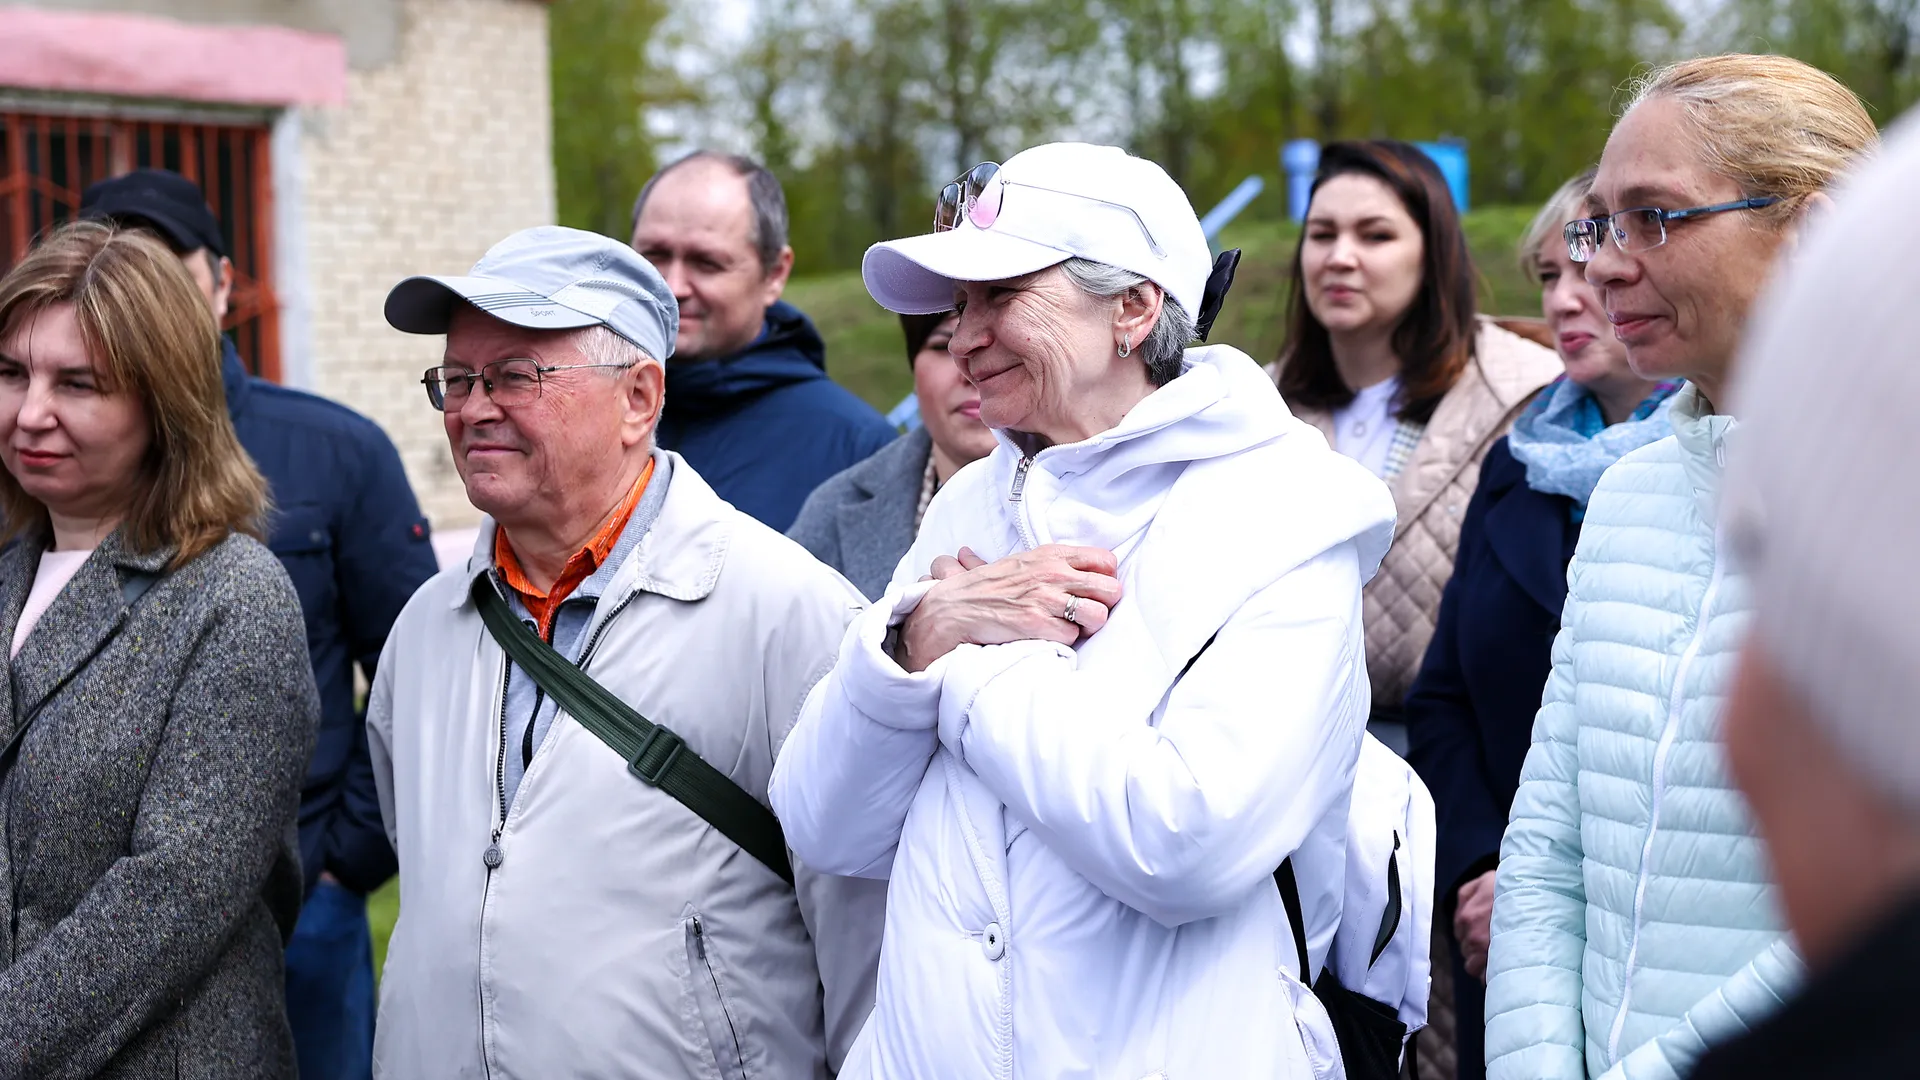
[1298, 160]
[1301, 157]
[1452, 159]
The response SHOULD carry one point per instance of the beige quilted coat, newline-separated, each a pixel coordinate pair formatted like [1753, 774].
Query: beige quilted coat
[1430, 496]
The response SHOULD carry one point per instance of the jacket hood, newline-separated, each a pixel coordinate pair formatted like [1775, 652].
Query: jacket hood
[789, 350]
[1106, 489]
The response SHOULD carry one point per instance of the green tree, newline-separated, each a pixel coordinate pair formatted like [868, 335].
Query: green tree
[1869, 45]
[603, 85]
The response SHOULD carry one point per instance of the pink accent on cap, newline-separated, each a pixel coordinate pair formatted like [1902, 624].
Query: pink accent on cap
[149, 57]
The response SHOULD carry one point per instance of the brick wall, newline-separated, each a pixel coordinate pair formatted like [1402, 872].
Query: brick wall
[435, 157]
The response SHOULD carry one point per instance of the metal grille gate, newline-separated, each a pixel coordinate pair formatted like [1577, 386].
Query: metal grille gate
[47, 160]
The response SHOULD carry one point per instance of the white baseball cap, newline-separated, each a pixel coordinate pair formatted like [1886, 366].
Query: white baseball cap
[1055, 202]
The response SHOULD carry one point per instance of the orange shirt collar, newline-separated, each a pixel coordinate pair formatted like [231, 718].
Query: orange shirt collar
[580, 565]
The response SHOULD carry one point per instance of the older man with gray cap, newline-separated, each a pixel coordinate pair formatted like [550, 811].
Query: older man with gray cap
[573, 733]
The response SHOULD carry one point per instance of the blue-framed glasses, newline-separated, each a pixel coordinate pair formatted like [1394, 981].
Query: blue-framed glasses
[1642, 228]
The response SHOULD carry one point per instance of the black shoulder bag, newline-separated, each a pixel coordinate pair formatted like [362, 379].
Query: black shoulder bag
[1370, 1034]
[652, 751]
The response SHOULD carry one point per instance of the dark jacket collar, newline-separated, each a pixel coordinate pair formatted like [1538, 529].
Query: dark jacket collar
[234, 377]
[1530, 533]
[788, 351]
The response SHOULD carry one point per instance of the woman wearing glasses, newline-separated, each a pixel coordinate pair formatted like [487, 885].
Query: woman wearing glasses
[1119, 676]
[1633, 921]
[1470, 712]
[161, 705]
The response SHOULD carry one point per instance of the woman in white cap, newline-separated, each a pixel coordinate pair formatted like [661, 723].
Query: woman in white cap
[1634, 918]
[1119, 677]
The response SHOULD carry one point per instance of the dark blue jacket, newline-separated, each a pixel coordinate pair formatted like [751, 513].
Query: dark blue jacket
[1470, 712]
[347, 528]
[766, 426]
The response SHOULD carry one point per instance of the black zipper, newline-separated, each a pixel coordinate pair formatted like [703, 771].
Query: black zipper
[700, 945]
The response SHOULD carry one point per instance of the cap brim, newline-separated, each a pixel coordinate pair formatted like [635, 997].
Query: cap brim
[915, 275]
[178, 235]
[425, 305]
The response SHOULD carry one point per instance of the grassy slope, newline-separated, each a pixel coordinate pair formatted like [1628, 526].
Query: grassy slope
[863, 342]
[865, 354]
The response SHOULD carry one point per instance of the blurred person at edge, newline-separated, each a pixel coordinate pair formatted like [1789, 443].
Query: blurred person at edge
[347, 528]
[1470, 712]
[561, 916]
[1819, 726]
[1386, 356]
[749, 404]
[864, 519]
[1117, 680]
[1634, 922]
[159, 705]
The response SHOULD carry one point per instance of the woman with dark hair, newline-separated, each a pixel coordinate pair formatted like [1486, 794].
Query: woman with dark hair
[1387, 357]
[863, 519]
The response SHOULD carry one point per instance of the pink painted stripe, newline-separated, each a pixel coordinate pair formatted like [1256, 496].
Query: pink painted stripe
[148, 57]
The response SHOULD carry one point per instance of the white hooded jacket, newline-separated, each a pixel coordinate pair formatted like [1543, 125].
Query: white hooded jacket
[1080, 842]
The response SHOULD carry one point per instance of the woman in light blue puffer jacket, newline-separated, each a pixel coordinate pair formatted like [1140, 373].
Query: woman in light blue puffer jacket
[1634, 923]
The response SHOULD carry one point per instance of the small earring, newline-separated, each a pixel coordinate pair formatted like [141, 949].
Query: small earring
[1126, 345]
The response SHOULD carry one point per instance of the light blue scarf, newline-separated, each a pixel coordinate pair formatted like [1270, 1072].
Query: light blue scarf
[1566, 443]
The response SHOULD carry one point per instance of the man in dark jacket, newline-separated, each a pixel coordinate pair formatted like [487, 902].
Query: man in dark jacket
[749, 404]
[349, 532]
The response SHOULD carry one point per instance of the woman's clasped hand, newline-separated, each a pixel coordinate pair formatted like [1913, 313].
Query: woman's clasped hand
[1026, 596]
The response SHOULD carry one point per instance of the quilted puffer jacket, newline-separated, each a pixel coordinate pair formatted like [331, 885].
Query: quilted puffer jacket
[1634, 924]
[1430, 498]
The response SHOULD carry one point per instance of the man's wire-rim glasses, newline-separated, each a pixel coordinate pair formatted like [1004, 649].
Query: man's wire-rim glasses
[509, 382]
[980, 192]
[1643, 227]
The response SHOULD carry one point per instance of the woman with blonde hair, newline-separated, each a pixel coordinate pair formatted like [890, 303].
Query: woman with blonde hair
[158, 707]
[1470, 712]
[1634, 923]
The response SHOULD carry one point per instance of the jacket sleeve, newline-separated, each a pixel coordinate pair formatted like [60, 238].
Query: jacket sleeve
[1184, 819]
[1534, 1027]
[1741, 1002]
[380, 750]
[848, 773]
[1443, 732]
[385, 554]
[218, 806]
[844, 916]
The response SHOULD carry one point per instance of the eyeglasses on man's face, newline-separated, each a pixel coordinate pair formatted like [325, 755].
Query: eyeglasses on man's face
[509, 382]
[1641, 228]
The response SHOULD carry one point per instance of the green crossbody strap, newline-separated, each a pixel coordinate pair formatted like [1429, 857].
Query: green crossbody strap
[652, 751]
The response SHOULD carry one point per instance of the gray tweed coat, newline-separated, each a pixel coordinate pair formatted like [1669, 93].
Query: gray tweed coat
[860, 520]
[149, 864]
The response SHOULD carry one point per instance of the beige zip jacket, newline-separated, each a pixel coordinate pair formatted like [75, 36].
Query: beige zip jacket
[1430, 497]
[619, 936]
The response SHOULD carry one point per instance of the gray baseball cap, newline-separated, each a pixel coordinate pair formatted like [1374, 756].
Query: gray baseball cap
[550, 278]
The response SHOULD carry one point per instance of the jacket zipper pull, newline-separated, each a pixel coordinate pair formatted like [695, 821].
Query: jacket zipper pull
[700, 939]
[493, 856]
[1020, 478]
